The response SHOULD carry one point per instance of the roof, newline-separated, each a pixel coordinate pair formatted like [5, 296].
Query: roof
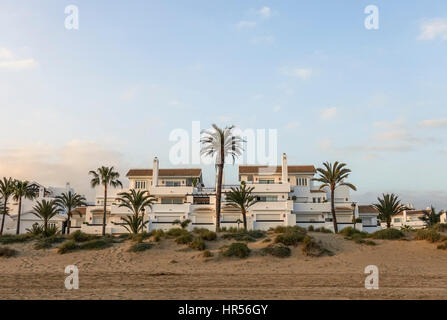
[368, 209]
[417, 212]
[277, 169]
[317, 191]
[195, 172]
[343, 208]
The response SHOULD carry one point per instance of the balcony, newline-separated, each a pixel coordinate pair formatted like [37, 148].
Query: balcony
[272, 205]
[174, 191]
[170, 208]
[310, 206]
[265, 187]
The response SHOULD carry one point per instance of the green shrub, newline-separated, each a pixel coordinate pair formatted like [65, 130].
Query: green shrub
[277, 250]
[207, 254]
[139, 237]
[206, 234]
[140, 246]
[267, 240]
[349, 231]
[51, 231]
[46, 243]
[370, 243]
[176, 232]
[442, 246]
[290, 238]
[79, 236]
[158, 234]
[284, 229]
[184, 238]
[6, 252]
[310, 228]
[388, 234]
[9, 238]
[67, 246]
[313, 249]
[430, 235]
[323, 230]
[197, 244]
[35, 230]
[96, 244]
[441, 227]
[237, 249]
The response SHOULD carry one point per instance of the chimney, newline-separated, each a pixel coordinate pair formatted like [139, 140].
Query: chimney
[285, 171]
[155, 173]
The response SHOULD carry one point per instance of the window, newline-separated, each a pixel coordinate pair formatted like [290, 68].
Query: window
[319, 200]
[267, 198]
[314, 200]
[396, 219]
[301, 181]
[173, 183]
[171, 200]
[140, 184]
[266, 181]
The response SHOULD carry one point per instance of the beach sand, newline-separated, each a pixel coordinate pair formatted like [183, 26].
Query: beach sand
[407, 270]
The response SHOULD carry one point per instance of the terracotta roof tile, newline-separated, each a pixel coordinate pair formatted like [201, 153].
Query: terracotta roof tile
[277, 169]
[194, 172]
[368, 209]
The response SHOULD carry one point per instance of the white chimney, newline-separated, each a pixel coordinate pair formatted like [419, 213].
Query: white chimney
[285, 171]
[155, 173]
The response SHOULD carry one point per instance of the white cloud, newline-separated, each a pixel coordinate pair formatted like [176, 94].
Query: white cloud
[265, 12]
[10, 62]
[263, 40]
[5, 53]
[276, 108]
[302, 73]
[389, 124]
[433, 29]
[328, 113]
[434, 123]
[246, 24]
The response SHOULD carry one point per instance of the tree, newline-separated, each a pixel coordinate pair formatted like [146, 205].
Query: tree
[333, 176]
[6, 191]
[389, 205]
[69, 201]
[242, 198]
[46, 210]
[136, 201]
[220, 143]
[23, 190]
[106, 177]
[431, 217]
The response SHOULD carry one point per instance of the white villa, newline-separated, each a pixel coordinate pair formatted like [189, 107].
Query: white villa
[286, 196]
[410, 218]
[27, 218]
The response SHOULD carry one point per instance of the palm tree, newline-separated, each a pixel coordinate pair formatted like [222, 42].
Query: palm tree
[389, 205]
[220, 143]
[23, 190]
[241, 198]
[431, 218]
[46, 210]
[6, 191]
[333, 176]
[106, 177]
[136, 201]
[69, 201]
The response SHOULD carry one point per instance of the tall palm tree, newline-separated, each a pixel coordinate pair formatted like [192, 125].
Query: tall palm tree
[431, 218]
[6, 191]
[333, 176]
[241, 198]
[136, 201]
[69, 201]
[46, 210]
[220, 143]
[105, 176]
[23, 190]
[389, 205]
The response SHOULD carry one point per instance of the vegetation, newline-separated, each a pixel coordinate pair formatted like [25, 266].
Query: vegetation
[323, 230]
[79, 236]
[206, 234]
[290, 238]
[237, 249]
[406, 228]
[69, 202]
[241, 198]
[441, 227]
[46, 210]
[136, 201]
[183, 224]
[388, 234]
[197, 244]
[35, 230]
[67, 246]
[140, 246]
[248, 236]
[314, 249]
[47, 242]
[431, 218]
[9, 238]
[6, 191]
[430, 235]
[184, 238]
[106, 177]
[6, 252]
[283, 229]
[220, 143]
[207, 254]
[23, 190]
[389, 205]
[277, 250]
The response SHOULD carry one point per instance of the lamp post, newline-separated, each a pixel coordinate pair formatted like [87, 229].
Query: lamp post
[353, 213]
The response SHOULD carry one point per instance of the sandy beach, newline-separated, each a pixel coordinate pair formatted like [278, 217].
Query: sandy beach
[408, 270]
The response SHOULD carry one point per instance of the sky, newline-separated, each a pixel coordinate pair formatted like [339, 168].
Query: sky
[113, 91]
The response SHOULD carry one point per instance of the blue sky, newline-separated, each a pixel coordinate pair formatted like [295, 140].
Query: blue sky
[112, 91]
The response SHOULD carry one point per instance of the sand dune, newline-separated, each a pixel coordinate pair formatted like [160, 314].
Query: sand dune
[408, 270]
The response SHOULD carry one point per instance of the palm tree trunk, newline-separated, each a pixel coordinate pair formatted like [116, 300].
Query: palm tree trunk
[334, 217]
[218, 194]
[4, 216]
[18, 216]
[244, 217]
[68, 221]
[45, 226]
[104, 216]
[388, 223]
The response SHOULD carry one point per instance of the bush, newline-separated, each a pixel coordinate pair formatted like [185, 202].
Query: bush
[430, 235]
[441, 227]
[249, 236]
[6, 252]
[96, 244]
[237, 249]
[277, 250]
[442, 246]
[313, 249]
[139, 237]
[284, 229]
[158, 234]
[51, 231]
[79, 236]
[207, 254]
[46, 243]
[267, 240]
[206, 234]
[350, 231]
[176, 232]
[9, 238]
[35, 230]
[140, 246]
[184, 238]
[198, 244]
[323, 230]
[388, 234]
[310, 228]
[67, 246]
[290, 238]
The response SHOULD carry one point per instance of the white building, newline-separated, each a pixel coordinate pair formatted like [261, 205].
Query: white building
[410, 218]
[286, 196]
